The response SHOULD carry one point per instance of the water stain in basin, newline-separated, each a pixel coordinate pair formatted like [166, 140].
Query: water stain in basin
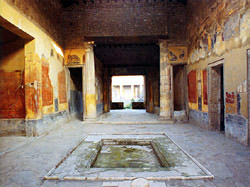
[126, 156]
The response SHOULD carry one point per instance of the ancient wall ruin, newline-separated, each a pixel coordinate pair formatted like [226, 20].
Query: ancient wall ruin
[218, 31]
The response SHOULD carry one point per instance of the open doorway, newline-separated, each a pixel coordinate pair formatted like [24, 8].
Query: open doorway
[216, 107]
[128, 92]
[179, 92]
[76, 93]
[12, 66]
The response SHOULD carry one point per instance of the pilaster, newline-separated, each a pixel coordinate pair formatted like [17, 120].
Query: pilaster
[165, 83]
[90, 95]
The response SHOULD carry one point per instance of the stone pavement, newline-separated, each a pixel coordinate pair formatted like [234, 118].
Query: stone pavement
[25, 161]
[127, 116]
[175, 164]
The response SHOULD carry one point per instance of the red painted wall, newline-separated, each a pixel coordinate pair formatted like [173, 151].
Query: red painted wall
[47, 89]
[62, 87]
[192, 87]
[12, 103]
[204, 87]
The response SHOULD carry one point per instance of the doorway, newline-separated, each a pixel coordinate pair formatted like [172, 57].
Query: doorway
[222, 106]
[179, 92]
[76, 92]
[12, 66]
[128, 92]
[216, 105]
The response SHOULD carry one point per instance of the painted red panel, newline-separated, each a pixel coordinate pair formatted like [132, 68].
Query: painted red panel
[47, 89]
[12, 103]
[230, 97]
[204, 87]
[192, 87]
[32, 103]
[62, 87]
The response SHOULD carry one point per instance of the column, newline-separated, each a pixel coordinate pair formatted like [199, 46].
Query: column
[141, 91]
[90, 95]
[133, 91]
[106, 95]
[165, 83]
[150, 94]
[156, 89]
[121, 90]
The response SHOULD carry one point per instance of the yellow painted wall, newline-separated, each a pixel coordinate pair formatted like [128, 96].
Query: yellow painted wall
[233, 52]
[99, 81]
[41, 49]
[235, 72]
[80, 53]
[204, 107]
[12, 93]
[14, 60]
[193, 106]
[91, 108]
[72, 84]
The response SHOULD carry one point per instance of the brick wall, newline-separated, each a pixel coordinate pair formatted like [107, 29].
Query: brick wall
[124, 18]
[177, 22]
[106, 18]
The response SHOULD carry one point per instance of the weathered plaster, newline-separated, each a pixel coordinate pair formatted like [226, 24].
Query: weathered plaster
[165, 83]
[90, 82]
[37, 50]
[12, 103]
[224, 35]
[74, 57]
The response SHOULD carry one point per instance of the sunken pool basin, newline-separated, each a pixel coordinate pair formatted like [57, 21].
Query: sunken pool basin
[126, 157]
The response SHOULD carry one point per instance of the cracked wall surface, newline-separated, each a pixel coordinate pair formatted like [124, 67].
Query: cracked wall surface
[219, 30]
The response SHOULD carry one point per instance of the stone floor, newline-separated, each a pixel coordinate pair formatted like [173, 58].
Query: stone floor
[25, 161]
[127, 116]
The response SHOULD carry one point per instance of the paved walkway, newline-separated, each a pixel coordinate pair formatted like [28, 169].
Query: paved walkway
[128, 116]
[25, 161]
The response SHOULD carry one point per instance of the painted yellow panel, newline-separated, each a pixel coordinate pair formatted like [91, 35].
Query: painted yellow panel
[193, 106]
[33, 93]
[204, 106]
[48, 109]
[13, 61]
[91, 105]
[63, 106]
[209, 42]
[40, 46]
[243, 108]
[231, 108]
[74, 57]
[177, 54]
